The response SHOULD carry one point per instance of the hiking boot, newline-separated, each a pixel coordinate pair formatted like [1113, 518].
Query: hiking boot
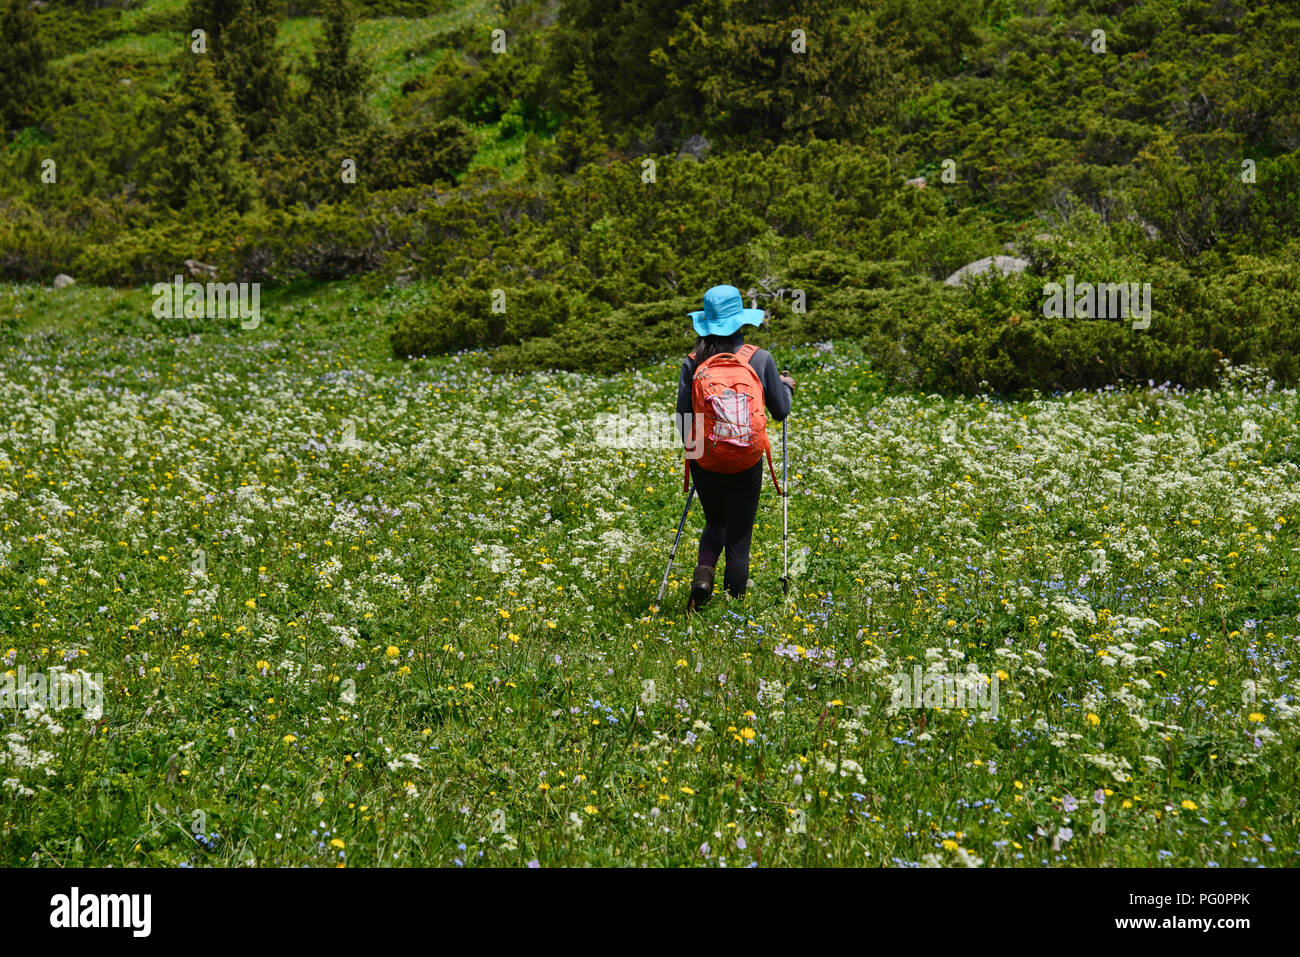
[701, 588]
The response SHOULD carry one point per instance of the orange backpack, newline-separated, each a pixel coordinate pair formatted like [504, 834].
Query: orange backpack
[728, 394]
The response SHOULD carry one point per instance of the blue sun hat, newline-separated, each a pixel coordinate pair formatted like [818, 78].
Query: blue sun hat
[724, 312]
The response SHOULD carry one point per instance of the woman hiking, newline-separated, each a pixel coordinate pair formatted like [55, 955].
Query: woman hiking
[723, 389]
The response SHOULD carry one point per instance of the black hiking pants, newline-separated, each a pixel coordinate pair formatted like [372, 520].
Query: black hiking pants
[730, 503]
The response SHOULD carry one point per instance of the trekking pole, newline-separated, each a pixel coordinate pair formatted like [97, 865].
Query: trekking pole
[690, 495]
[785, 514]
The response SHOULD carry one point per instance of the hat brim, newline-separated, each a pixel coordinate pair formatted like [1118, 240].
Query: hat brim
[728, 326]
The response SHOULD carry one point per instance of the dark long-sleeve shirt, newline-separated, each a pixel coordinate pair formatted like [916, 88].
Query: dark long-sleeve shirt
[776, 394]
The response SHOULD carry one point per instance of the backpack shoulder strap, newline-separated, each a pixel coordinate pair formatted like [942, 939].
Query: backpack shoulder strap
[744, 354]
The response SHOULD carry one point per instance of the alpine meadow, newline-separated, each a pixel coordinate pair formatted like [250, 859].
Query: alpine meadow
[339, 475]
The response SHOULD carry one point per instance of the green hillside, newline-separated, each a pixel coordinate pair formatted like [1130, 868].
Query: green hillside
[860, 154]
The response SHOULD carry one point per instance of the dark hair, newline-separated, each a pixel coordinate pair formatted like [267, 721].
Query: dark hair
[708, 346]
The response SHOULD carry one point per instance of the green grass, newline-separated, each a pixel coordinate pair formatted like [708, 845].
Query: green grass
[399, 49]
[504, 155]
[402, 50]
[150, 48]
[425, 627]
[134, 15]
